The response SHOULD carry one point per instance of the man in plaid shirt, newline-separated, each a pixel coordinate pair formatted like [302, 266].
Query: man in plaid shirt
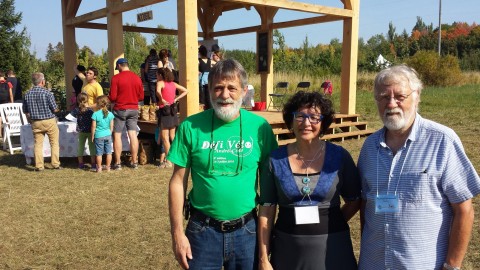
[39, 106]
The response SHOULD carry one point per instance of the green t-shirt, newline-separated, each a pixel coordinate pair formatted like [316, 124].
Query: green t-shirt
[223, 161]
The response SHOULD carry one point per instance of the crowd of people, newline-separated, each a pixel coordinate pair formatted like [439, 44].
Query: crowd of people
[101, 119]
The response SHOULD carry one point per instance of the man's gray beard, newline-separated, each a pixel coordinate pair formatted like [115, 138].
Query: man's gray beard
[396, 122]
[227, 114]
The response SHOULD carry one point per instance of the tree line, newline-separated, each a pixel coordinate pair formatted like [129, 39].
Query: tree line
[460, 41]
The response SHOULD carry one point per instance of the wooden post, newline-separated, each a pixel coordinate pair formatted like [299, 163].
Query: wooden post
[349, 60]
[188, 55]
[69, 52]
[115, 35]
[267, 14]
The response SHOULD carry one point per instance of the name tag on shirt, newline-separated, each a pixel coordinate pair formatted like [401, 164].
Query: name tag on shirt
[306, 214]
[386, 204]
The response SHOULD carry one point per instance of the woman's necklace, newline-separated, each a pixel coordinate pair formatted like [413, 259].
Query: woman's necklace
[306, 190]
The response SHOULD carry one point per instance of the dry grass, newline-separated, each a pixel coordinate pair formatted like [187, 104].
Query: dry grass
[74, 219]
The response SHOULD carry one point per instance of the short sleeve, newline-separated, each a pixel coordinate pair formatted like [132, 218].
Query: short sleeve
[268, 190]
[180, 150]
[460, 180]
[350, 177]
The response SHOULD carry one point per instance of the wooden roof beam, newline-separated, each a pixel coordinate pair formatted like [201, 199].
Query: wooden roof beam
[298, 6]
[348, 4]
[130, 28]
[279, 25]
[102, 13]
[72, 7]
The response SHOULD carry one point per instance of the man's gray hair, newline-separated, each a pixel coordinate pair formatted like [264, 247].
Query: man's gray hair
[399, 74]
[227, 69]
[37, 78]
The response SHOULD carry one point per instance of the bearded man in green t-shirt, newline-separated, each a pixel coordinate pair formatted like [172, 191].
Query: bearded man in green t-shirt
[224, 149]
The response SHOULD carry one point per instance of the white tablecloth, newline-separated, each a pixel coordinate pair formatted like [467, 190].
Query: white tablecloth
[68, 139]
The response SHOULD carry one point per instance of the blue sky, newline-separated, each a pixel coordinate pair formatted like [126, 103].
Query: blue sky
[43, 21]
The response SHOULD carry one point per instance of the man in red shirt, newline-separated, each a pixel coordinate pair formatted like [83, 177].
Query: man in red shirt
[126, 90]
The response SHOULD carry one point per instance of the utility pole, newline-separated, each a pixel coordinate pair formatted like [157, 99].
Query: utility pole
[439, 27]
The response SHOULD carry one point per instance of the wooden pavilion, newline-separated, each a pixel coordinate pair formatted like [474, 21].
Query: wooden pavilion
[191, 13]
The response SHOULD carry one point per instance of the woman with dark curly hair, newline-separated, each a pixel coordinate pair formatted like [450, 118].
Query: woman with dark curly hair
[306, 180]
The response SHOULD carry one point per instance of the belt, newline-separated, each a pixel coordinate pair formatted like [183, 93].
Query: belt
[35, 120]
[224, 226]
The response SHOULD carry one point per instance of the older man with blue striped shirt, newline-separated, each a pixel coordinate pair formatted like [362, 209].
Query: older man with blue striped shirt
[417, 184]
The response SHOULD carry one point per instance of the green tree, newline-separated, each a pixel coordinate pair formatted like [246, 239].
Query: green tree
[279, 51]
[246, 58]
[435, 70]
[14, 45]
[392, 36]
[135, 46]
[53, 67]
[420, 26]
[168, 42]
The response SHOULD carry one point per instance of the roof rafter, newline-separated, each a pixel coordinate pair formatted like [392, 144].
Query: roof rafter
[102, 13]
[298, 6]
[278, 25]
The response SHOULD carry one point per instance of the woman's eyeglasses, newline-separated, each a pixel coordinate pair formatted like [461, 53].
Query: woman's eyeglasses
[313, 118]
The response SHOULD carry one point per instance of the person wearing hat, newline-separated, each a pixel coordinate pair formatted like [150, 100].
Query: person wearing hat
[126, 90]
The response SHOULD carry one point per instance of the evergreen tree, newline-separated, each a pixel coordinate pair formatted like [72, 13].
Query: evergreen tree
[14, 45]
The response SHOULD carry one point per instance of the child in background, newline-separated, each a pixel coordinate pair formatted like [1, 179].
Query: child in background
[102, 127]
[84, 128]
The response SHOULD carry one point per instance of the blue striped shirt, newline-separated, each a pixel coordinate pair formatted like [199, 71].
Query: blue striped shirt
[428, 173]
[39, 103]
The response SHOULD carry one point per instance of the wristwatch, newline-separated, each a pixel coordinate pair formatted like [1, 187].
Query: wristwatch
[449, 267]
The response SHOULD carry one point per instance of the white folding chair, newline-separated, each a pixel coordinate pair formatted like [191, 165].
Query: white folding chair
[12, 119]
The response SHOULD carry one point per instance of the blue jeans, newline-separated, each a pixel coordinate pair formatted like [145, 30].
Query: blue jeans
[103, 145]
[212, 249]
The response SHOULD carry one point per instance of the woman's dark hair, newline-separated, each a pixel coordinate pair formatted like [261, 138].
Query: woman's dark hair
[168, 75]
[163, 53]
[153, 52]
[303, 99]
[203, 51]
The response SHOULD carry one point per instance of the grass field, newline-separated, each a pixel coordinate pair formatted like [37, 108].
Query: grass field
[73, 219]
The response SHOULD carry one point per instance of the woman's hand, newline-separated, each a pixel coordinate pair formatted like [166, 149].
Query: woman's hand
[264, 265]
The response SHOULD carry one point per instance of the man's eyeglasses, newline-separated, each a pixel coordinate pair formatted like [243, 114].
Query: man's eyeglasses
[313, 118]
[385, 98]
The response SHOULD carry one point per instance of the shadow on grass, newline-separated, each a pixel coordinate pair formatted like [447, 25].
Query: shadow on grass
[17, 160]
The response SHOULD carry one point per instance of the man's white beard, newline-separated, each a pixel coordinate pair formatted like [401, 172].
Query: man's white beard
[229, 113]
[396, 122]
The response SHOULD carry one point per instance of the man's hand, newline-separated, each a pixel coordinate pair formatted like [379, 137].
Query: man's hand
[181, 249]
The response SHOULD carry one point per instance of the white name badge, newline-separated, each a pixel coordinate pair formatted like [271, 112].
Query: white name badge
[306, 214]
[386, 204]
